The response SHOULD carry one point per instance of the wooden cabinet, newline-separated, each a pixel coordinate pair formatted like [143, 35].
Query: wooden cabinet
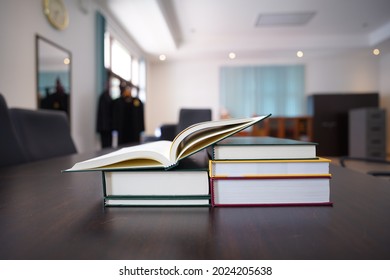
[330, 119]
[298, 128]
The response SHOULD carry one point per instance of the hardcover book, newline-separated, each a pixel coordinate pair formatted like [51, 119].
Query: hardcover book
[263, 148]
[254, 168]
[184, 185]
[178, 186]
[166, 154]
[271, 191]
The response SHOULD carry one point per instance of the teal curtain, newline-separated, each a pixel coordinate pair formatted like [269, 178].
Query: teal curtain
[259, 90]
[101, 71]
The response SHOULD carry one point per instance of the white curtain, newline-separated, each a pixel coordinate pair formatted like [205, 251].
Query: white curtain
[259, 90]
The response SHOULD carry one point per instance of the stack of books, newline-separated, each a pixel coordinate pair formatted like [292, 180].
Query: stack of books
[267, 171]
[150, 174]
[243, 171]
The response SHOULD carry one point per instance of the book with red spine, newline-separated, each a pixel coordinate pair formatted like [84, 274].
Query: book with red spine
[292, 190]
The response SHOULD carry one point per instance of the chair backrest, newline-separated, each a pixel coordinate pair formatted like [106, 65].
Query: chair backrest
[189, 117]
[43, 133]
[11, 151]
[168, 131]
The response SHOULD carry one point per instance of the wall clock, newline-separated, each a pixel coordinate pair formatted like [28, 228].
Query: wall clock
[56, 13]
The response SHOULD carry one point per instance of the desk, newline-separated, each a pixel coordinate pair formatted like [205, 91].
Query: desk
[45, 214]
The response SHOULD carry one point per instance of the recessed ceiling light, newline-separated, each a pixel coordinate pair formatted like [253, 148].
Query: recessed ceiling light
[162, 57]
[232, 55]
[299, 53]
[376, 52]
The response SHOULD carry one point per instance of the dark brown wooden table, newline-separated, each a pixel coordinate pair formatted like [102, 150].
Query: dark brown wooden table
[45, 214]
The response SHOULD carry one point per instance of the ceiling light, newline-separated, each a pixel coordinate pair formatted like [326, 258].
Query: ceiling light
[299, 53]
[301, 18]
[162, 57]
[376, 52]
[232, 55]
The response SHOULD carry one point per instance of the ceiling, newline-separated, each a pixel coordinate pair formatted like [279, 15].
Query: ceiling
[183, 29]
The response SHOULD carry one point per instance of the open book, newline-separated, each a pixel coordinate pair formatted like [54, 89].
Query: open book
[166, 154]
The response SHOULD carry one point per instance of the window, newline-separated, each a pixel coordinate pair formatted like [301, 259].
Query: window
[123, 67]
[259, 90]
[135, 72]
[107, 50]
[120, 61]
[142, 80]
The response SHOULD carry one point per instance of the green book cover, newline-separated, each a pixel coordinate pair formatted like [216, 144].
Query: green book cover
[261, 141]
[158, 200]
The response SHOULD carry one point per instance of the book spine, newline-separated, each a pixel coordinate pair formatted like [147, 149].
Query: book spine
[157, 205]
[213, 152]
[212, 194]
[275, 204]
[157, 201]
[211, 168]
[313, 160]
[234, 168]
[286, 177]
[104, 184]
[213, 198]
[157, 197]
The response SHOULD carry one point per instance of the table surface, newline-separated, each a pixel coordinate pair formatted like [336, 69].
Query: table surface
[46, 214]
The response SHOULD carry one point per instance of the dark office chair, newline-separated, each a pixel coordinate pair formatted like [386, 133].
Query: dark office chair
[188, 117]
[43, 133]
[11, 152]
[168, 131]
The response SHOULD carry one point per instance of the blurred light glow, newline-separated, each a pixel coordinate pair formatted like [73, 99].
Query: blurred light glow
[232, 55]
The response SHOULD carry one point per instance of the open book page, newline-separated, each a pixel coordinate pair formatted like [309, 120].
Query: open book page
[154, 154]
[165, 153]
[202, 135]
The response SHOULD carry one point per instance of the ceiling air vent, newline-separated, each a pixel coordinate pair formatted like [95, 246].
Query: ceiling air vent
[284, 19]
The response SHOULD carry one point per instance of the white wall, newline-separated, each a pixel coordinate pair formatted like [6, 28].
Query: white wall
[18, 27]
[17, 53]
[173, 85]
[345, 72]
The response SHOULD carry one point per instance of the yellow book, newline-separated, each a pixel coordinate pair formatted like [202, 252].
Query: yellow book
[274, 168]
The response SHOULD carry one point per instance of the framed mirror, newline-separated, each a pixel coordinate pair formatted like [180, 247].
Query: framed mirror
[53, 70]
